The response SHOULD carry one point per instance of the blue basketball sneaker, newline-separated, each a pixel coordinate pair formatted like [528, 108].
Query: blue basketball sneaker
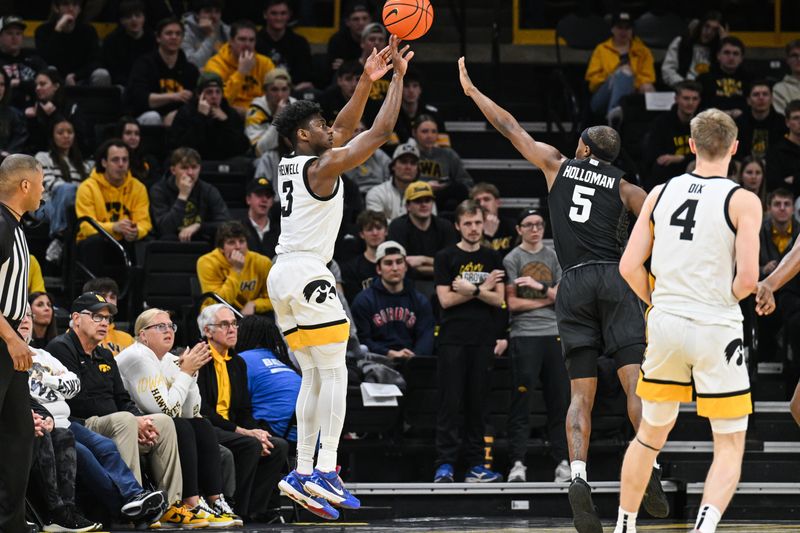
[292, 486]
[328, 485]
[481, 474]
[444, 474]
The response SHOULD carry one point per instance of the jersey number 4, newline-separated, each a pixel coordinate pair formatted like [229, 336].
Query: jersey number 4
[582, 203]
[683, 217]
[288, 188]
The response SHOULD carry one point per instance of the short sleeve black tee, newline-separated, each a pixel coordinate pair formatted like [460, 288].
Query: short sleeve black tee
[470, 323]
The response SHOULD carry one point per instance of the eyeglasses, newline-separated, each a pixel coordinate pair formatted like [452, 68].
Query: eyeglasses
[97, 317]
[227, 325]
[163, 327]
[532, 225]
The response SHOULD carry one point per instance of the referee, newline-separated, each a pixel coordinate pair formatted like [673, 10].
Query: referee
[20, 191]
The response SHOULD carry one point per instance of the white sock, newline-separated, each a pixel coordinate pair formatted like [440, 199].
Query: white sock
[707, 518]
[655, 464]
[626, 522]
[578, 469]
[332, 404]
[307, 424]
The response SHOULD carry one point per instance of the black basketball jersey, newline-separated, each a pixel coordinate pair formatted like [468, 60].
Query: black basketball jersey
[588, 218]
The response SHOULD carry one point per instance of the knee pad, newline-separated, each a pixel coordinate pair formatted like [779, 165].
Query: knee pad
[729, 425]
[660, 413]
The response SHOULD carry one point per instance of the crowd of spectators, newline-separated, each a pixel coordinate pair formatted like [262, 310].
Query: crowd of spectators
[426, 263]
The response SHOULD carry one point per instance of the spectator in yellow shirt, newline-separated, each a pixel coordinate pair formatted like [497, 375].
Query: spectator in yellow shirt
[115, 340]
[120, 205]
[235, 273]
[619, 66]
[35, 278]
[241, 68]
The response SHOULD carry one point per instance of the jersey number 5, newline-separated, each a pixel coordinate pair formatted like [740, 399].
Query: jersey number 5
[582, 203]
[288, 187]
[683, 217]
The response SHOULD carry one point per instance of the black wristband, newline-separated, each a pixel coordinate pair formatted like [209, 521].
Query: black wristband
[477, 290]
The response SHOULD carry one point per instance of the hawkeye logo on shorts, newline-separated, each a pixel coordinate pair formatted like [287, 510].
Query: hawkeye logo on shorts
[735, 347]
[320, 290]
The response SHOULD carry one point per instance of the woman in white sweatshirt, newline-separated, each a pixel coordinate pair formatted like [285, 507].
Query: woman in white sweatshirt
[161, 382]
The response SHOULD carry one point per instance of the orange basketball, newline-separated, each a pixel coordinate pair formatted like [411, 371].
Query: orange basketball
[408, 19]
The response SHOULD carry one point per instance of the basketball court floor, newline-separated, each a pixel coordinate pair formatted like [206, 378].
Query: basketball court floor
[500, 525]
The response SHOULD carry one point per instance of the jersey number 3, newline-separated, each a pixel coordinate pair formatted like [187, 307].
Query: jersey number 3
[288, 187]
[582, 203]
[683, 217]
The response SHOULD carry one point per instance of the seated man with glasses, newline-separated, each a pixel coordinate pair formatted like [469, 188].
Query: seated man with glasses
[116, 340]
[259, 456]
[103, 404]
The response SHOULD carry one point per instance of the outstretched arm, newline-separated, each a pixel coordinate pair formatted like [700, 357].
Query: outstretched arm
[338, 160]
[347, 120]
[544, 156]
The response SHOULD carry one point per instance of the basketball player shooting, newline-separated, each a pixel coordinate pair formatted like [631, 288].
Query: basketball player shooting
[596, 311]
[302, 289]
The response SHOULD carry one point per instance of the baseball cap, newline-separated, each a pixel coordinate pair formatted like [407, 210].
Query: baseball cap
[528, 212]
[405, 149]
[209, 79]
[258, 185]
[371, 28]
[417, 190]
[91, 301]
[387, 248]
[276, 74]
[621, 18]
[11, 20]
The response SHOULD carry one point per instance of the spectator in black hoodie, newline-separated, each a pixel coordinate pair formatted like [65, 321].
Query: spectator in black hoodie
[51, 105]
[208, 123]
[392, 318]
[123, 46]
[760, 126]
[287, 50]
[13, 132]
[182, 206]
[163, 80]
[724, 86]
[345, 44]
[71, 45]
[666, 146]
[21, 65]
[335, 97]
[783, 159]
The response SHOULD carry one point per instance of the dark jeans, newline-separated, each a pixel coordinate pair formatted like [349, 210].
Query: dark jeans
[463, 378]
[54, 466]
[200, 459]
[536, 360]
[256, 475]
[16, 444]
[102, 470]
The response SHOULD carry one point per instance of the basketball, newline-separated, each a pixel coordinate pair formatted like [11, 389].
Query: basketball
[408, 19]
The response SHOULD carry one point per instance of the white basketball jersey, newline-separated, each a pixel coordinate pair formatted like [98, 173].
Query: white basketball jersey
[693, 258]
[309, 223]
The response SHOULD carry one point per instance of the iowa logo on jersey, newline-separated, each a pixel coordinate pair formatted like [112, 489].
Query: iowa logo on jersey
[735, 347]
[320, 290]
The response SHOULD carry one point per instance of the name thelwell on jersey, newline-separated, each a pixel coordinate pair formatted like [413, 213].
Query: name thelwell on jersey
[589, 176]
[288, 168]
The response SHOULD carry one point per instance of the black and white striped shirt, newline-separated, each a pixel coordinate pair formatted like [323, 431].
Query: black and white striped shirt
[14, 265]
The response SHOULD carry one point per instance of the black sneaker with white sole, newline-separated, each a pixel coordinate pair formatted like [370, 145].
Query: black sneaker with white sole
[584, 514]
[146, 505]
[67, 520]
[655, 501]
